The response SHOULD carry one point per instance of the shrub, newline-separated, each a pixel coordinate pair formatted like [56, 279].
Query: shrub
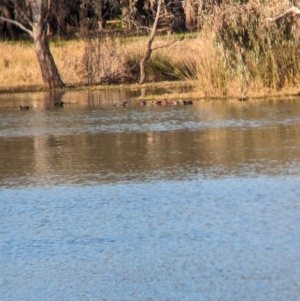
[260, 48]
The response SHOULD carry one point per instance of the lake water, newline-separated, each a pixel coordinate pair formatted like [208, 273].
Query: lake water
[160, 203]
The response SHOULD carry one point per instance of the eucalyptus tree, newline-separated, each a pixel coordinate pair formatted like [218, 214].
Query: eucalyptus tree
[34, 23]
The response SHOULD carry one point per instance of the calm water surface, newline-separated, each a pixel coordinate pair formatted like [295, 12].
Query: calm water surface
[197, 202]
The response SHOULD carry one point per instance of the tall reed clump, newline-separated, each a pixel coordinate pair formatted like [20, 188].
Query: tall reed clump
[257, 48]
[203, 64]
[243, 50]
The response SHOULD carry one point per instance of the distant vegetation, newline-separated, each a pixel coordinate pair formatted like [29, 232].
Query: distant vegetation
[224, 47]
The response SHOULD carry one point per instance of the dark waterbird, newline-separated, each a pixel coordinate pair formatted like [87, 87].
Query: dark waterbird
[23, 108]
[124, 104]
[157, 102]
[187, 102]
[59, 104]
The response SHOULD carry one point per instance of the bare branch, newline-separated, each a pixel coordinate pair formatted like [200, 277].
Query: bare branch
[17, 24]
[142, 27]
[149, 46]
[153, 32]
[294, 10]
[167, 45]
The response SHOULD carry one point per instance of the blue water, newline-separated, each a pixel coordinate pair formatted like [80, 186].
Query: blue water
[166, 211]
[234, 239]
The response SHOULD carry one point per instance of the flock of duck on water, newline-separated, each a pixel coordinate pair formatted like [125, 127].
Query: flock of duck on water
[166, 102]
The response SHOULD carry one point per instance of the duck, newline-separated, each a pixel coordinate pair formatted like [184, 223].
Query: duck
[187, 102]
[23, 108]
[59, 104]
[171, 102]
[124, 104]
[157, 102]
[142, 103]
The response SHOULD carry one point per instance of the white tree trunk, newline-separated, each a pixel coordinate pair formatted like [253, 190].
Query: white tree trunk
[38, 32]
[49, 70]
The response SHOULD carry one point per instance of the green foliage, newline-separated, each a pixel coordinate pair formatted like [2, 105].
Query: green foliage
[159, 68]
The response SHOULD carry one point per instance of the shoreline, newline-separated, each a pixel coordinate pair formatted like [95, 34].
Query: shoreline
[262, 94]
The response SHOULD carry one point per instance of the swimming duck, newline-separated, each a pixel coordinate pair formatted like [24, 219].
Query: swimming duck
[157, 102]
[23, 108]
[142, 103]
[187, 102]
[59, 104]
[124, 104]
[171, 102]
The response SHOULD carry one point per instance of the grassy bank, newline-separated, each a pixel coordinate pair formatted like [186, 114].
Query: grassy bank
[20, 69]
[238, 57]
[106, 61]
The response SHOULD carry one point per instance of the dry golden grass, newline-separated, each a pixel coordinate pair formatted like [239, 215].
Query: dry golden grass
[18, 65]
[68, 58]
[20, 68]
[199, 61]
